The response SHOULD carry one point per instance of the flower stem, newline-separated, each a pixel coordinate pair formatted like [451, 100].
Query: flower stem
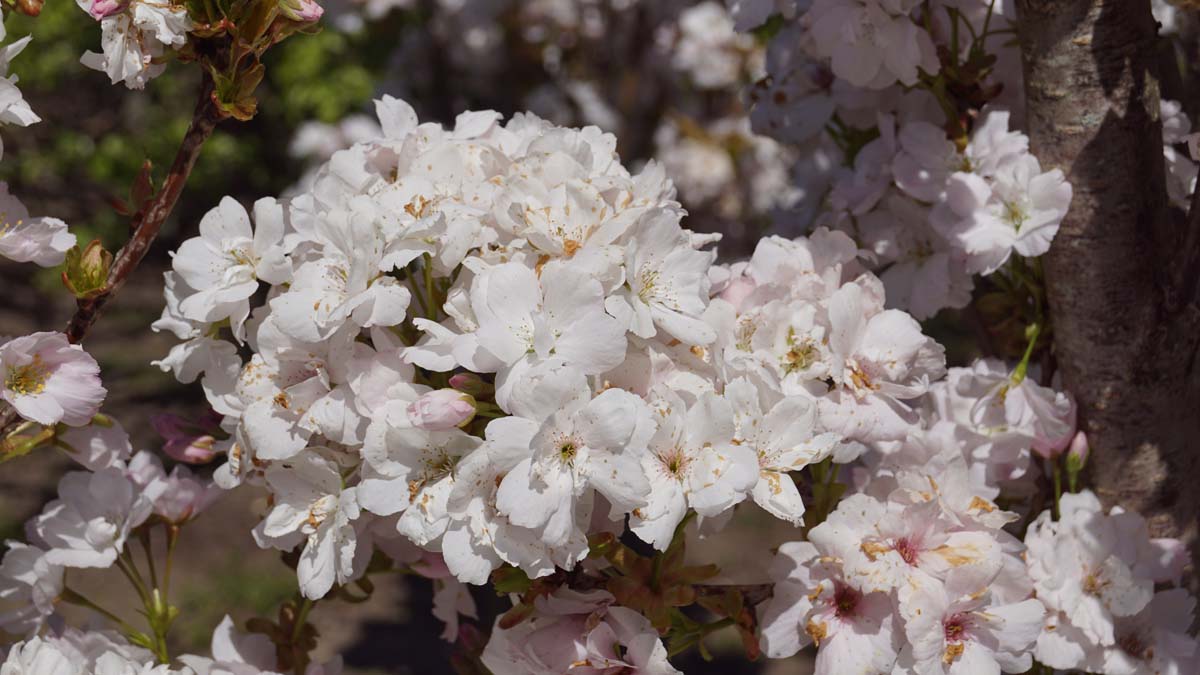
[301, 619]
[144, 538]
[1033, 332]
[1056, 468]
[172, 539]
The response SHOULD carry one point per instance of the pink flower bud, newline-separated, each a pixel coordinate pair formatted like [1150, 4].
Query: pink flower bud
[183, 445]
[739, 289]
[470, 383]
[1079, 449]
[441, 410]
[104, 8]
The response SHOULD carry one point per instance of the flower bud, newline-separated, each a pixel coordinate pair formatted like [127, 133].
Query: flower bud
[1077, 456]
[100, 9]
[86, 273]
[471, 383]
[442, 409]
[301, 10]
[29, 7]
[181, 444]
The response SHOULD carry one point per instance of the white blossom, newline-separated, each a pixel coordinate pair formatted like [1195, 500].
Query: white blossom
[49, 380]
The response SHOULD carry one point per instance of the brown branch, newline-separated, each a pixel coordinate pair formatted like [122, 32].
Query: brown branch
[146, 228]
[146, 225]
[753, 593]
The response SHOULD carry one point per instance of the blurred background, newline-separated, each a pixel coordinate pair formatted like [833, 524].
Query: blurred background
[671, 78]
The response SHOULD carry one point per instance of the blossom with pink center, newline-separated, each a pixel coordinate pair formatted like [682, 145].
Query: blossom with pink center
[814, 602]
[962, 631]
[893, 545]
[49, 380]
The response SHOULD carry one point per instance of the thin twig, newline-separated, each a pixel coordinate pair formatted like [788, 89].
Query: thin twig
[145, 227]
[753, 593]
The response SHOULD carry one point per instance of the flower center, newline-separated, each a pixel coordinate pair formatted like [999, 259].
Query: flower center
[5, 226]
[908, 550]
[860, 380]
[320, 510]
[242, 256]
[801, 353]
[647, 280]
[1014, 213]
[675, 463]
[955, 628]
[28, 379]
[439, 464]
[1133, 645]
[845, 601]
[1093, 584]
[567, 450]
[745, 333]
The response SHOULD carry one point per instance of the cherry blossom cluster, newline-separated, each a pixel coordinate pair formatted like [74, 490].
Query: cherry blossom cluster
[935, 194]
[432, 269]
[135, 37]
[1110, 592]
[489, 352]
[494, 342]
[917, 571]
[89, 526]
[728, 176]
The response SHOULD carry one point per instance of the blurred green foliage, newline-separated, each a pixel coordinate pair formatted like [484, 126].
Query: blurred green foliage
[239, 589]
[94, 135]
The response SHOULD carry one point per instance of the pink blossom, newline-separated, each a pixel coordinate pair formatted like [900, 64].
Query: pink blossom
[49, 380]
[183, 496]
[442, 410]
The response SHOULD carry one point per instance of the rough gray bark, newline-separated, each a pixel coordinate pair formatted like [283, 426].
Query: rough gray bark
[1122, 273]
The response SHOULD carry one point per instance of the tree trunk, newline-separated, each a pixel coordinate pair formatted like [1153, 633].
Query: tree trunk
[1121, 274]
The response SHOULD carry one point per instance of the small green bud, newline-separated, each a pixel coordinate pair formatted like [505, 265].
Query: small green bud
[86, 273]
